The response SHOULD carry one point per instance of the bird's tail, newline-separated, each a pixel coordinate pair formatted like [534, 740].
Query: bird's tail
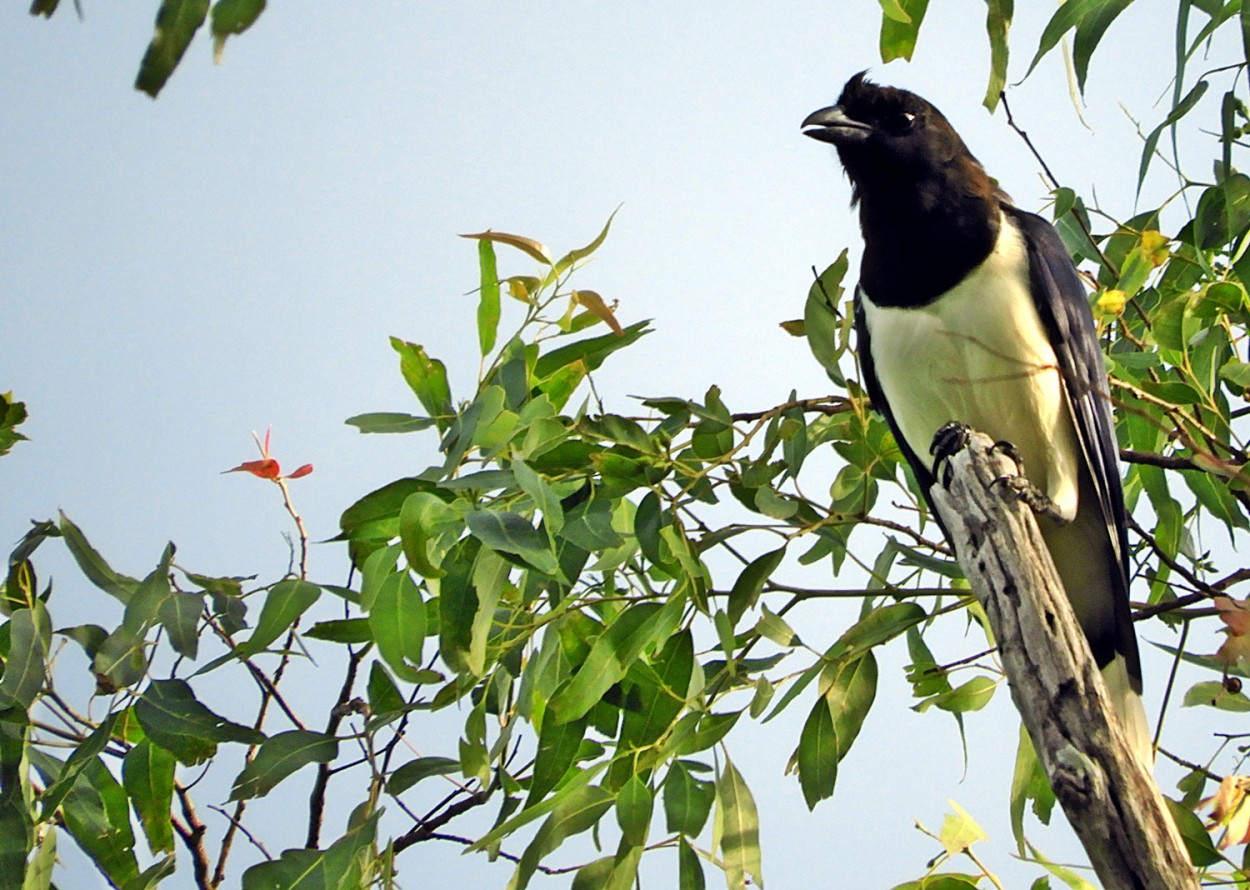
[1128, 707]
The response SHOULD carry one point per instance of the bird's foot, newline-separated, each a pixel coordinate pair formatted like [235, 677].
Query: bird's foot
[1011, 452]
[952, 438]
[1021, 489]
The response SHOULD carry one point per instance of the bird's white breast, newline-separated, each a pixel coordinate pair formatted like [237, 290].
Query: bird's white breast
[980, 355]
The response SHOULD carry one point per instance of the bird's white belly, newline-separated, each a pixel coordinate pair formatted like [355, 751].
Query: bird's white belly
[980, 355]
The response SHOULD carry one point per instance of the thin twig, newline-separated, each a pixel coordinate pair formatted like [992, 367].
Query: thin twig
[428, 827]
[192, 834]
[255, 843]
[317, 799]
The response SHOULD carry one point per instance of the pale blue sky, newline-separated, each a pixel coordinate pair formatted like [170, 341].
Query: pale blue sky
[178, 273]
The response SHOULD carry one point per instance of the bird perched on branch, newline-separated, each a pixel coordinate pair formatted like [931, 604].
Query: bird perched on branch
[970, 310]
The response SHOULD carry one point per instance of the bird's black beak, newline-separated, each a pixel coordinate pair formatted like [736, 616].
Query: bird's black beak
[832, 125]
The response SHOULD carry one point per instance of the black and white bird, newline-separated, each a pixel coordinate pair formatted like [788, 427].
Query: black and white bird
[970, 310]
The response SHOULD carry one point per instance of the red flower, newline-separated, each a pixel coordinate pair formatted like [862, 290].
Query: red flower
[267, 467]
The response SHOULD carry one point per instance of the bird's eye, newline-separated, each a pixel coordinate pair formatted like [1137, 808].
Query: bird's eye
[901, 122]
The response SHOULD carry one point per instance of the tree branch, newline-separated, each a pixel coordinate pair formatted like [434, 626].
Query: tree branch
[1109, 797]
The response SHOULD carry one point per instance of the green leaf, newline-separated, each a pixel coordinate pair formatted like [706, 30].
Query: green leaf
[1066, 17]
[340, 867]
[231, 17]
[66, 774]
[389, 422]
[30, 635]
[427, 378]
[634, 803]
[1202, 852]
[773, 627]
[1181, 109]
[900, 26]
[1029, 783]
[558, 744]
[1214, 694]
[148, 777]
[93, 565]
[573, 814]
[488, 303]
[490, 577]
[689, 868]
[877, 627]
[457, 604]
[414, 771]
[609, 658]
[38, 873]
[152, 875]
[285, 602]
[179, 614]
[737, 828]
[173, 718]
[397, 623]
[997, 24]
[12, 414]
[422, 520]
[1089, 32]
[278, 757]
[591, 352]
[121, 660]
[384, 695]
[817, 755]
[97, 815]
[970, 696]
[687, 799]
[750, 582]
[575, 256]
[512, 533]
[850, 697]
[341, 630]
[376, 515]
[542, 494]
[176, 23]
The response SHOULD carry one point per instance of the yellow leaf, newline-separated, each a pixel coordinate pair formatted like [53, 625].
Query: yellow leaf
[534, 248]
[959, 830]
[1231, 808]
[520, 287]
[595, 305]
[795, 328]
[1155, 245]
[1111, 302]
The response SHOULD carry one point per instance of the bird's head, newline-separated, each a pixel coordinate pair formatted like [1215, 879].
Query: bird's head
[891, 139]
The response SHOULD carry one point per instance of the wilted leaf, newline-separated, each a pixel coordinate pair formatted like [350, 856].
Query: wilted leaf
[527, 245]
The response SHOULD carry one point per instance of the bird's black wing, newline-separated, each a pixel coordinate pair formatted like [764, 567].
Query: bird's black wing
[1063, 306]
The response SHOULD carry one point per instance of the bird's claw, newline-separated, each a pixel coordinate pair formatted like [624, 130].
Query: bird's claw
[949, 440]
[1011, 452]
[1019, 488]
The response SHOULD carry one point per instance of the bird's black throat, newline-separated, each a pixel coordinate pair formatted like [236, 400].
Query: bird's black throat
[922, 238]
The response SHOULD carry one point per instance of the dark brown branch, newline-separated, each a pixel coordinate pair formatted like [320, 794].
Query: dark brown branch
[1166, 461]
[317, 799]
[827, 405]
[240, 826]
[429, 827]
[192, 835]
